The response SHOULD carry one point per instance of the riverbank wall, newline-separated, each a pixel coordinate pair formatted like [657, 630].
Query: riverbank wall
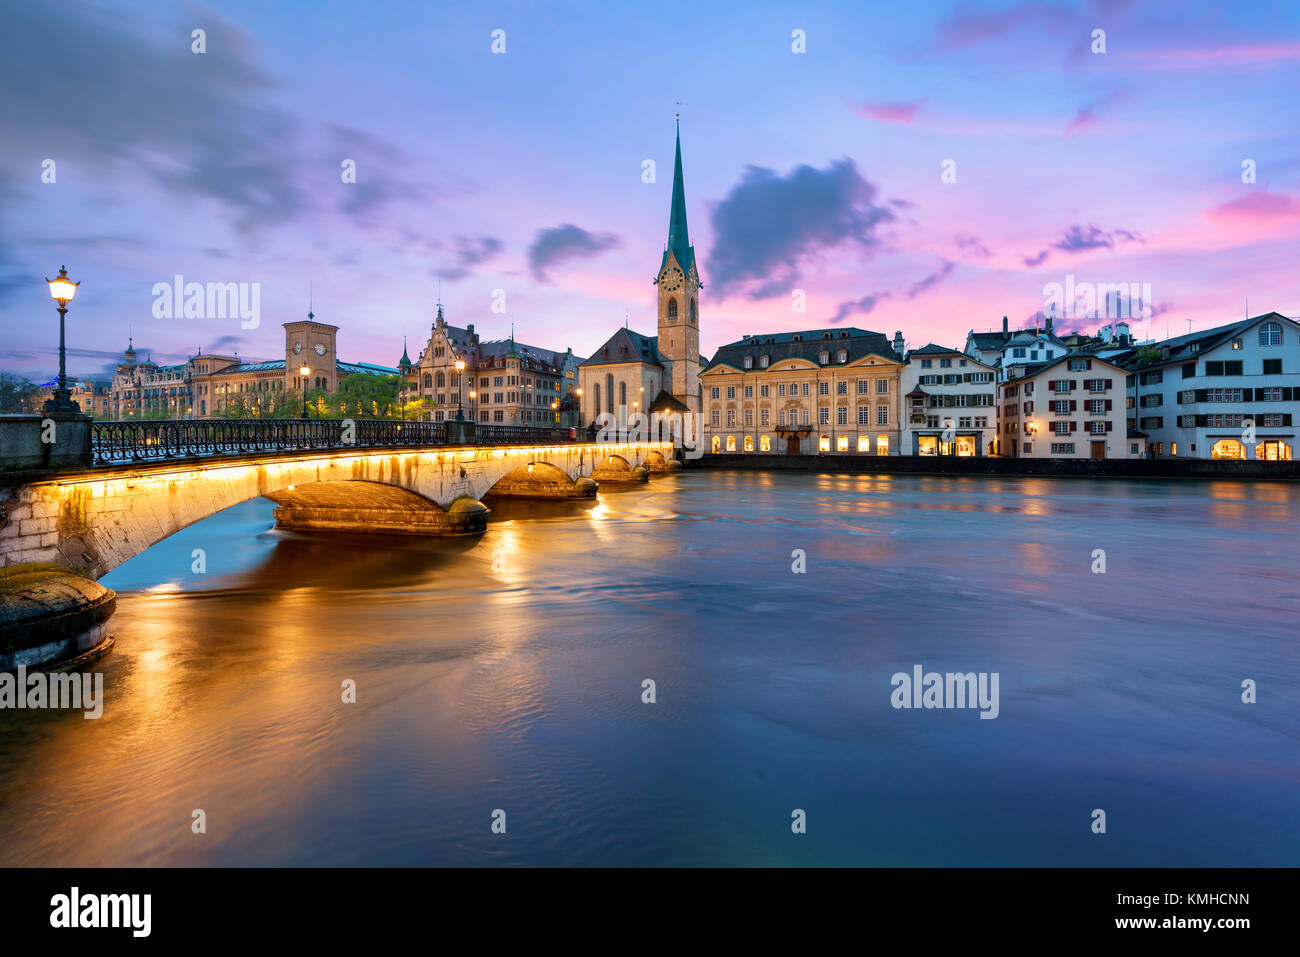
[975, 465]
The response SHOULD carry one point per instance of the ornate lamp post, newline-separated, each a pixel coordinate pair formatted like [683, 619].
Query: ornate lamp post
[305, 371]
[460, 369]
[62, 289]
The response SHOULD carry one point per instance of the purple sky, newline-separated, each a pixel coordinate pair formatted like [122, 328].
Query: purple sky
[522, 171]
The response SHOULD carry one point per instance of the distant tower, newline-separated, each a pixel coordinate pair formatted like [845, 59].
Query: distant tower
[679, 294]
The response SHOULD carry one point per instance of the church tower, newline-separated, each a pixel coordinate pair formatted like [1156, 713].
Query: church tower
[679, 292]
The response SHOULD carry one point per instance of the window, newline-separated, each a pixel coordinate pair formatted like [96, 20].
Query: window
[1078, 365]
[1189, 370]
[823, 416]
[764, 417]
[731, 443]
[945, 363]
[731, 418]
[780, 418]
[1061, 428]
[882, 415]
[749, 418]
[804, 389]
[762, 360]
[864, 443]
[1062, 448]
[749, 443]
[864, 415]
[1018, 353]
[672, 311]
[882, 386]
[694, 313]
[715, 418]
[780, 390]
[1272, 366]
[841, 356]
[731, 392]
[925, 363]
[713, 393]
[749, 392]
[823, 388]
[823, 357]
[824, 444]
[765, 443]
[1270, 334]
[762, 390]
[882, 445]
[862, 386]
[841, 443]
[842, 415]
[1236, 346]
[841, 388]
[749, 362]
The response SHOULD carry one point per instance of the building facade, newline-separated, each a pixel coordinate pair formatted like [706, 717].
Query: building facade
[1231, 392]
[502, 382]
[805, 393]
[949, 403]
[1070, 408]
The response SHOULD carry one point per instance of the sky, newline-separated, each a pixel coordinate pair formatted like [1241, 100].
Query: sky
[923, 167]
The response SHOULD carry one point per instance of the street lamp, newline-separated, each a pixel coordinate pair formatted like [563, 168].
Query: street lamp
[304, 372]
[460, 368]
[473, 401]
[62, 289]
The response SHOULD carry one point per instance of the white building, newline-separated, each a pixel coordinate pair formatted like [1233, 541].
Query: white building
[1070, 408]
[1231, 392]
[950, 403]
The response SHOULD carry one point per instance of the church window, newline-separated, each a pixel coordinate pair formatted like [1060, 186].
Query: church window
[672, 309]
[441, 380]
[694, 314]
[622, 393]
[609, 392]
[596, 387]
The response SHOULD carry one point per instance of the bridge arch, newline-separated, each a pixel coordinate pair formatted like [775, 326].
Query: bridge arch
[93, 520]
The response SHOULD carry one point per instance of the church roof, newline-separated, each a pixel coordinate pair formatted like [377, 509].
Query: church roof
[627, 345]
[679, 239]
[665, 401]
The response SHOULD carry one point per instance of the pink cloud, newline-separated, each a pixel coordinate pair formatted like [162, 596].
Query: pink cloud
[1082, 123]
[1260, 206]
[889, 112]
[1206, 58]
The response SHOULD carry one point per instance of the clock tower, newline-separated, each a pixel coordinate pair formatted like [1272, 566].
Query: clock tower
[312, 344]
[679, 284]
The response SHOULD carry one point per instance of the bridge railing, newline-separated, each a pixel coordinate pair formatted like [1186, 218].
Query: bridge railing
[147, 441]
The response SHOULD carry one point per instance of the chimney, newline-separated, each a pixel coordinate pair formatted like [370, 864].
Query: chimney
[1048, 320]
[1004, 325]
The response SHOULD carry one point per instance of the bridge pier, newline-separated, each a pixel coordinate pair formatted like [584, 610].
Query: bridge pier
[465, 516]
[52, 618]
[542, 489]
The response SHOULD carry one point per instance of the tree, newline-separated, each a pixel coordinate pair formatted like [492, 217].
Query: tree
[17, 393]
[1147, 355]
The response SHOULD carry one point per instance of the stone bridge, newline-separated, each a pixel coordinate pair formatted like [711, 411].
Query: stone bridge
[91, 520]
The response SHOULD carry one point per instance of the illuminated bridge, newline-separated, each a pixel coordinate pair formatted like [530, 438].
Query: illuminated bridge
[103, 492]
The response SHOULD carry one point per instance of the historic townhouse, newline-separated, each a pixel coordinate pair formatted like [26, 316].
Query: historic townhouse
[793, 393]
[1232, 392]
[949, 403]
[502, 382]
[1070, 408]
[632, 372]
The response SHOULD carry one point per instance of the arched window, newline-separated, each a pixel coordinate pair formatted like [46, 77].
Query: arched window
[749, 443]
[442, 380]
[716, 444]
[731, 443]
[596, 387]
[1270, 334]
[1228, 449]
[694, 315]
[622, 393]
[609, 393]
[672, 309]
[765, 444]
[428, 381]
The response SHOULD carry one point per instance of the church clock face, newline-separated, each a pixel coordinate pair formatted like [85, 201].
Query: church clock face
[320, 349]
[297, 348]
[671, 279]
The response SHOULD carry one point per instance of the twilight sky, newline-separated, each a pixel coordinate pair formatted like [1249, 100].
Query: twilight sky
[522, 171]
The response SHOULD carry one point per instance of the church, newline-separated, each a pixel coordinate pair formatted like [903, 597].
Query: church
[633, 372]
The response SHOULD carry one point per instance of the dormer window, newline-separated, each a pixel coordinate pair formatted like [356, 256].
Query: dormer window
[823, 357]
[826, 335]
[796, 338]
[844, 334]
[842, 356]
[749, 362]
[762, 362]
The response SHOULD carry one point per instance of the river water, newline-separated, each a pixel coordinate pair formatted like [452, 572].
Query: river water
[506, 673]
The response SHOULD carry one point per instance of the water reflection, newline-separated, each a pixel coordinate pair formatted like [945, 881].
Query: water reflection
[506, 671]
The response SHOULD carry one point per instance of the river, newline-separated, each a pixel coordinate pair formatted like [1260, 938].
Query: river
[506, 673]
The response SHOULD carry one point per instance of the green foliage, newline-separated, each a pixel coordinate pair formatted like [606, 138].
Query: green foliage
[1147, 355]
[17, 393]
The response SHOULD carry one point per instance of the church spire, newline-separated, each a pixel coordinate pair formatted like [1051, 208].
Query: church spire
[679, 239]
